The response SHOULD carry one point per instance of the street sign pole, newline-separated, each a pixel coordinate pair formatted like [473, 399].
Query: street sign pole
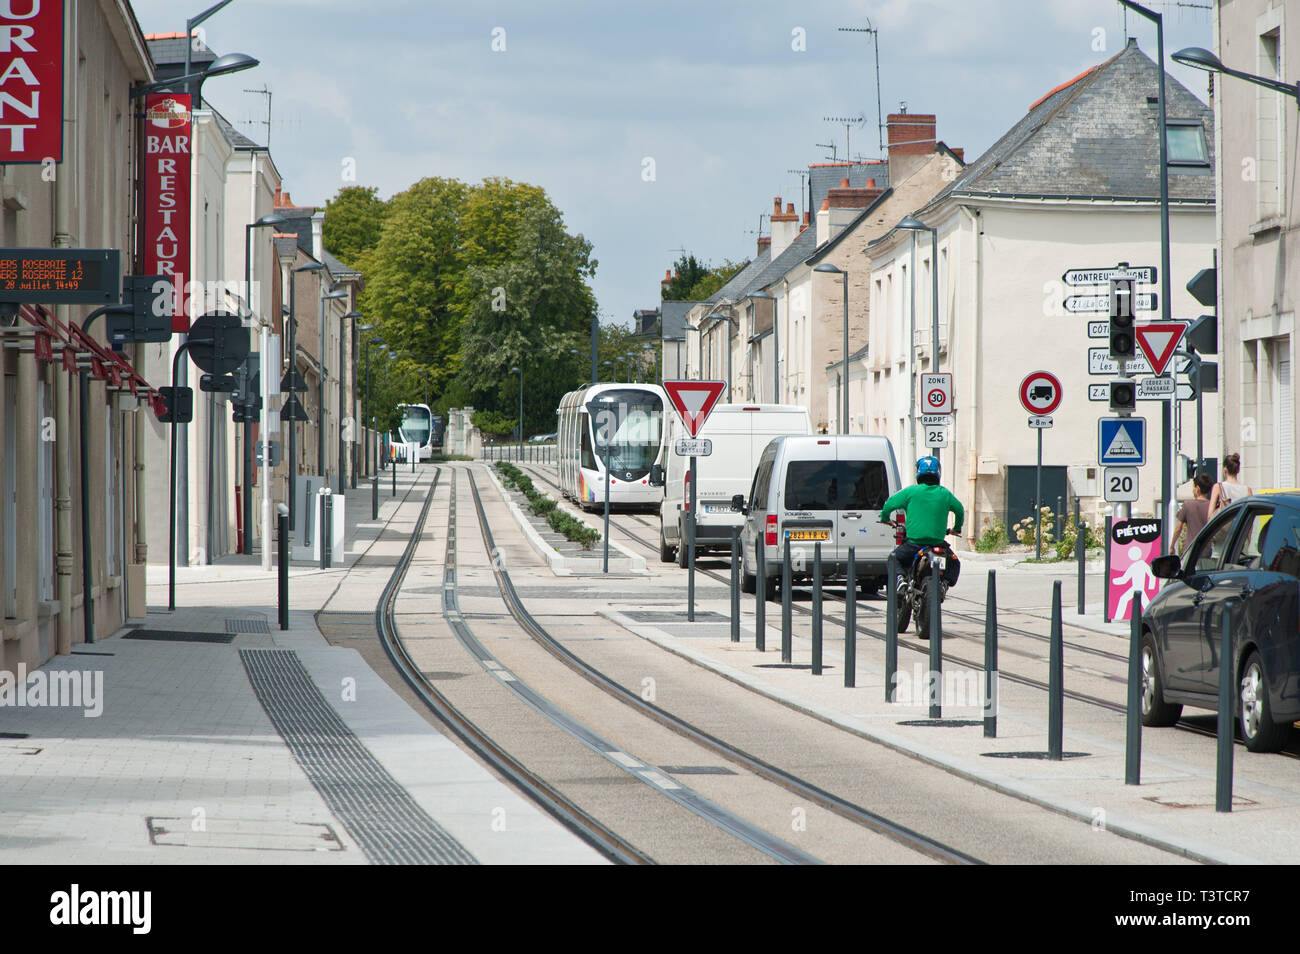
[690, 553]
[1038, 500]
[606, 568]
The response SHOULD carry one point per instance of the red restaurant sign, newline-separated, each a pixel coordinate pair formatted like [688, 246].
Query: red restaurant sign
[167, 138]
[31, 81]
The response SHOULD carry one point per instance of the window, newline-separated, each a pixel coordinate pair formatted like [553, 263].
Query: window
[1185, 143]
[1268, 139]
[1209, 546]
[1245, 552]
[1280, 552]
[810, 485]
[863, 484]
[762, 481]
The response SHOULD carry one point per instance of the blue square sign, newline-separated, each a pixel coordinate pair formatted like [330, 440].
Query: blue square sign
[1121, 440]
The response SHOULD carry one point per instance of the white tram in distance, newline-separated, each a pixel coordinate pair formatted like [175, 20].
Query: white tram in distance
[637, 445]
[419, 426]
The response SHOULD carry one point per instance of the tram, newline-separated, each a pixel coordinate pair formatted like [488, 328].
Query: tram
[637, 445]
[419, 426]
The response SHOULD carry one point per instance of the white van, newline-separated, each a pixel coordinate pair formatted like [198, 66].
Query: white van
[739, 433]
[827, 489]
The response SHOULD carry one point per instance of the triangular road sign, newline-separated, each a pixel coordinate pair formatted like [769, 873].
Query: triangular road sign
[1122, 445]
[1158, 341]
[694, 400]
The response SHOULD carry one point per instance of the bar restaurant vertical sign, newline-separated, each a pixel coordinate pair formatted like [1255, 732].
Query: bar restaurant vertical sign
[166, 189]
[31, 82]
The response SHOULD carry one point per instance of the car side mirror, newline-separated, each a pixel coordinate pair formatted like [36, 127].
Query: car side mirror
[657, 475]
[738, 503]
[1167, 567]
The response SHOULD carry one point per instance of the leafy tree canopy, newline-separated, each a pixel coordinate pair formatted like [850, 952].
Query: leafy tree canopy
[353, 221]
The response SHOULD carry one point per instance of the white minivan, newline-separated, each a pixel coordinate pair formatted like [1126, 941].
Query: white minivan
[824, 489]
[739, 433]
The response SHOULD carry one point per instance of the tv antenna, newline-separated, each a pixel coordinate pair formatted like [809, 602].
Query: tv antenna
[264, 91]
[831, 146]
[803, 177]
[875, 39]
[847, 122]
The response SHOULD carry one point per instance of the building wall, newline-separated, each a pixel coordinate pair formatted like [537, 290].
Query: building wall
[87, 201]
[1259, 271]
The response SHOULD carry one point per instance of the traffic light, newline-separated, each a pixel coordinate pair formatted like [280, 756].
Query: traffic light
[1123, 344]
[1202, 335]
[219, 383]
[1123, 395]
[180, 405]
[150, 320]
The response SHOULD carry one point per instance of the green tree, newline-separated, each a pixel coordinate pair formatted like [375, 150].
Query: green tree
[354, 221]
[714, 279]
[686, 272]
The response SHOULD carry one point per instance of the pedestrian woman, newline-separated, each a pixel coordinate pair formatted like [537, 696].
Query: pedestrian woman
[1230, 488]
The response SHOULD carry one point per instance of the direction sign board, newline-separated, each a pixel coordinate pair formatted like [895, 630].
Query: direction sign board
[693, 447]
[1120, 484]
[1158, 339]
[1099, 329]
[936, 420]
[694, 400]
[1143, 274]
[1100, 304]
[1159, 388]
[936, 392]
[1099, 392]
[1121, 440]
[1040, 392]
[936, 435]
[1100, 362]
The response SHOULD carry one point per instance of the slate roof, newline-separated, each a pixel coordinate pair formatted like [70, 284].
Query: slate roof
[237, 139]
[797, 251]
[739, 281]
[167, 50]
[1094, 137]
[337, 268]
[672, 319]
[822, 177]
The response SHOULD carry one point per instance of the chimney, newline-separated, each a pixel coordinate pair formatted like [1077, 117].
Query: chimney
[824, 222]
[910, 134]
[764, 242]
[317, 236]
[842, 205]
[785, 226]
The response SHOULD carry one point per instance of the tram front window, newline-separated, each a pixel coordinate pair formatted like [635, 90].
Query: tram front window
[637, 418]
[415, 426]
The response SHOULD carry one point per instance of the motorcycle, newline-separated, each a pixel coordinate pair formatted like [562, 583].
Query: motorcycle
[914, 599]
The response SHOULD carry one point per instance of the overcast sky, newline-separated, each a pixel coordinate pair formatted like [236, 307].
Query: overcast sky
[587, 99]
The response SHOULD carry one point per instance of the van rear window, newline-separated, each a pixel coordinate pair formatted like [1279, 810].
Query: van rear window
[810, 485]
[836, 485]
[864, 484]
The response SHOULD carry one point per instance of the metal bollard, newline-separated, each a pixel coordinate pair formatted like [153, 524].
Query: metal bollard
[394, 470]
[1133, 717]
[1226, 727]
[1079, 551]
[1058, 519]
[1056, 681]
[374, 498]
[991, 658]
[817, 610]
[323, 500]
[936, 646]
[891, 626]
[1105, 579]
[735, 584]
[760, 595]
[851, 622]
[787, 651]
[282, 532]
[414, 455]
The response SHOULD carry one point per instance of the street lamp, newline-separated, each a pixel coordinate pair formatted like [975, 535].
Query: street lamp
[520, 371]
[320, 424]
[350, 316]
[293, 366]
[1197, 59]
[1202, 59]
[914, 225]
[826, 268]
[370, 421]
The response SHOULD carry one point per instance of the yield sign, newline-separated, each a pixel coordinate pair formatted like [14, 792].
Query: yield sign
[1158, 340]
[694, 400]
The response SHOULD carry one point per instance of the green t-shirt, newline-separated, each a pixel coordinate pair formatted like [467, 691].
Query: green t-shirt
[927, 507]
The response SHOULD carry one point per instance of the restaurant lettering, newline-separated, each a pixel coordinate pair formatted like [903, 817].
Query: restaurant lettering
[31, 81]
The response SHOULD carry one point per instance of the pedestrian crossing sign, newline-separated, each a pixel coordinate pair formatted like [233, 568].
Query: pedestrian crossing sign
[1121, 440]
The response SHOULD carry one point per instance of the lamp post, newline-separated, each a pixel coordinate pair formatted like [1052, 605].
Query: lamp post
[370, 422]
[911, 224]
[776, 346]
[320, 424]
[1166, 310]
[293, 366]
[343, 476]
[263, 222]
[826, 268]
[520, 371]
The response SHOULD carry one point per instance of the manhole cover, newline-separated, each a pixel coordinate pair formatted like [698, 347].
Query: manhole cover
[247, 626]
[944, 723]
[1032, 755]
[660, 616]
[176, 636]
[257, 834]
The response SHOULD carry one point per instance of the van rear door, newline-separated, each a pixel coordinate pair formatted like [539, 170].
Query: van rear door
[863, 484]
[808, 499]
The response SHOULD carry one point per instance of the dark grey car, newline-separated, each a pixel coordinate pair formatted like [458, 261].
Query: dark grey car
[1243, 566]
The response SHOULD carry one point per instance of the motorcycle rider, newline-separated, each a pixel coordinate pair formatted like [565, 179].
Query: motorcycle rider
[927, 505]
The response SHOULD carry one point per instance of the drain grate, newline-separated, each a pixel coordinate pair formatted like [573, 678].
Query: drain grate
[178, 636]
[247, 626]
[381, 816]
[1162, 800]
[256, 834]
[944, 723]
[697, 770]
[659, 616]
[1032, 755]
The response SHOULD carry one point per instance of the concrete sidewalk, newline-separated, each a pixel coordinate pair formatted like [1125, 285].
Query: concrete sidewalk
[220, 738]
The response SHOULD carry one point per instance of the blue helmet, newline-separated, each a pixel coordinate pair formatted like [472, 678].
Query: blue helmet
[927, 466]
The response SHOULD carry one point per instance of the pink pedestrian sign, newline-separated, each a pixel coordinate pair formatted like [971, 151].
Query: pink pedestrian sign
[1132, 546]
